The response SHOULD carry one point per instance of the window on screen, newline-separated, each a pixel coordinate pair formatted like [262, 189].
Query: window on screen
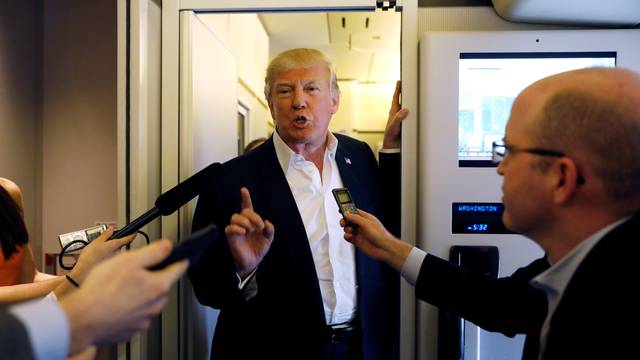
[488, 85]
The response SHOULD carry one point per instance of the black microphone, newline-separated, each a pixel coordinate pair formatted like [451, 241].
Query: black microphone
[173, 199]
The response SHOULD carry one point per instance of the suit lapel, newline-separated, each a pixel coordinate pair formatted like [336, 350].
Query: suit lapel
[290, 235]
[347, 166]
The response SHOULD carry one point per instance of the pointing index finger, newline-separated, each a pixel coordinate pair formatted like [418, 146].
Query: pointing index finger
[246, 198]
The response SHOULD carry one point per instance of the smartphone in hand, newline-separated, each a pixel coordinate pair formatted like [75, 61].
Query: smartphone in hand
[192, 248]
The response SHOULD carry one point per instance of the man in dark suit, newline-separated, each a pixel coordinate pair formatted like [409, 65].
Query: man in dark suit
[286, 286]
[571, 183]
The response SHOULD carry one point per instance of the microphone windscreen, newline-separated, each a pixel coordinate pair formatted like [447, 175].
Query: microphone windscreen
[182, 193]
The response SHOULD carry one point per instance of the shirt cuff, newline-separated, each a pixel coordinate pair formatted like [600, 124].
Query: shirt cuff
[51, 297]
[389, 151]
[47, 326]
[249, 286]
[411, 266]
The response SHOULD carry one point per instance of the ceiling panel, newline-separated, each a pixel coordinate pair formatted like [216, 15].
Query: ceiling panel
[365, 46]
[297, 28]
[352, 64]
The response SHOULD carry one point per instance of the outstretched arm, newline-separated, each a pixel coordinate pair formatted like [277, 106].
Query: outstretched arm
[23, 292]
[120, 296]
[92, 254]
[97, 251]
[371, 237]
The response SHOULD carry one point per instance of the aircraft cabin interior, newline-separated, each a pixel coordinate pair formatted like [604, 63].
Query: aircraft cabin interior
[108, 104]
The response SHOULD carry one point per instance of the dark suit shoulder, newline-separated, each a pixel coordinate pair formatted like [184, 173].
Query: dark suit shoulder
[261, 161]
[14, 343]
[600, 301]
[349, 143]
[251, 157]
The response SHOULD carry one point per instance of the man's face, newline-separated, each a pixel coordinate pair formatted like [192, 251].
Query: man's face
[302, 103]
[526, 203]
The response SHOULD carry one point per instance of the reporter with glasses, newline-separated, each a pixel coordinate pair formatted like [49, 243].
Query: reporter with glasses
[571, 183]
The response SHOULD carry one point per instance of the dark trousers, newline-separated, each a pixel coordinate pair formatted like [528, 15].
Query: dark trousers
[345, 344]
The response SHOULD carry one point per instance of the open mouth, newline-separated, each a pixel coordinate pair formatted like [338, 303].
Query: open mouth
[300, 120]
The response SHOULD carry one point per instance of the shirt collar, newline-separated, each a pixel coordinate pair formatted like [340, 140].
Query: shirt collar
[556, 278]
[286, 156]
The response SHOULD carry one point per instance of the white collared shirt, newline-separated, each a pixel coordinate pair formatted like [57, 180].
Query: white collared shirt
[333, 257]
[47, 327]
[555, 279]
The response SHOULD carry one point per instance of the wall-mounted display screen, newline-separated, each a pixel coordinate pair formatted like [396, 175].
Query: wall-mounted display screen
[488, 85]
[477, 218]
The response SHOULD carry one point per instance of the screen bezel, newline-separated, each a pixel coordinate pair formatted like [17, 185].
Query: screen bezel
[524, 55]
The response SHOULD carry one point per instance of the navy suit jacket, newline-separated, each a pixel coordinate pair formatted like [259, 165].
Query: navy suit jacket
[598, 315]
[592, 319]
[286, 318]
[14, 341]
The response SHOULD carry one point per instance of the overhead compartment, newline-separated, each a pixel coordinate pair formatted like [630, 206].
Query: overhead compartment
[574, 12]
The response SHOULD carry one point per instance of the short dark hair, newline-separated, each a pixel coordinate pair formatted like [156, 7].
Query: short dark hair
[13, 232]
[254, 144]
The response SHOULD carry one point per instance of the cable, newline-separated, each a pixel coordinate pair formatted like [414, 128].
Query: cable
[66, 248]
[145, 236]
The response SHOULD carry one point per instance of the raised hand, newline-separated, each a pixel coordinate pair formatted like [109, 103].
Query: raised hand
[120, 296]
[249, 237]
[371, 237]
[94, 253]
[392, 133]
[99, 250]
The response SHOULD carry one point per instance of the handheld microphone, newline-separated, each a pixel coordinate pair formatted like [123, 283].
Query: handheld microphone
[173, 199]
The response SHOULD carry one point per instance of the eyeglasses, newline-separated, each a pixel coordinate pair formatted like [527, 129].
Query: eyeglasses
[500, 150]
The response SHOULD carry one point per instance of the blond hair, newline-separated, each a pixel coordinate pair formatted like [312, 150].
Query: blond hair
[295, 59]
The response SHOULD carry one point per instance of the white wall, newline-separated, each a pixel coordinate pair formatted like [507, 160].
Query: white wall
[20, 79]
[57, 113]
[364, 110]
[246, 38]
[344, 121]
[374, 103]
[207, 119]
[78, 116]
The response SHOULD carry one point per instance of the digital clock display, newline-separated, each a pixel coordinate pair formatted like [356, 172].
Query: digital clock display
[478, 218]
[478, 227]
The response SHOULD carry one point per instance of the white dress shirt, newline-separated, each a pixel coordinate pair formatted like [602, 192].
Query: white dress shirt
[334, 258]
[47, 327]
